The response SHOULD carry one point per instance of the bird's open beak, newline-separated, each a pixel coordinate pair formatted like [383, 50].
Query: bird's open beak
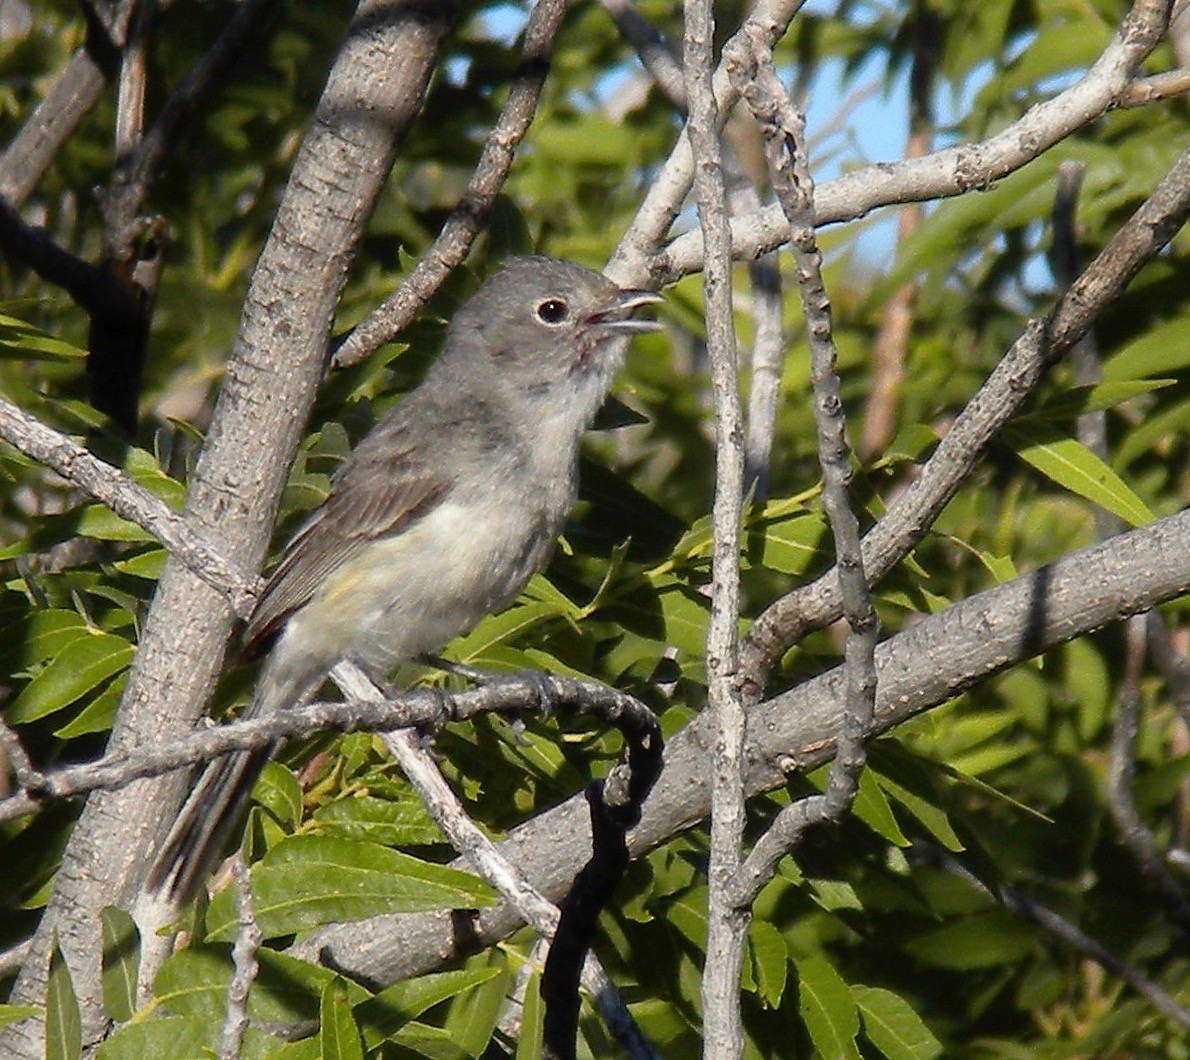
[617, 317]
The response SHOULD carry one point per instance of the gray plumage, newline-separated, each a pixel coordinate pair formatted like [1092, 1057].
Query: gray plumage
[437, 518]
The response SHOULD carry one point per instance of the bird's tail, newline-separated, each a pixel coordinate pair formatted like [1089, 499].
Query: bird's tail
[203, 825]
[216, 805]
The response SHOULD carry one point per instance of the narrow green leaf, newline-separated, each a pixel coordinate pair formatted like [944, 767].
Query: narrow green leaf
[827, 1009]
[933, 817]
[1075, 468]
[385, 1014]
[308, 880]
[80, 667]
[770, 962]
[338, 1036]
[528, 1046]
[12, 1013]
[892, 1025]
[63, 1027]
[120, 961]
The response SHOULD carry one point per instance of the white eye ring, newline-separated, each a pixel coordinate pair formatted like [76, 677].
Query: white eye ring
[553, 311]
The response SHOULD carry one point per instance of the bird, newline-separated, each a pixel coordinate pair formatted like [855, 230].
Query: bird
[438, 517]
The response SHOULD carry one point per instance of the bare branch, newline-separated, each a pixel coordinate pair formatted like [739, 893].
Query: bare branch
[783, 129]
[908, 518]
[419, 707]
[129, 500]
[373, 93]
[1060, 928]
[631, 263]
[467, 218]
[726, 926]
[1146, 90]
[483, 856]
[651, 48]
[952, 171]
[70, 96]
[139, 162]
[1133, 832]
[244, 963]
[925, 665]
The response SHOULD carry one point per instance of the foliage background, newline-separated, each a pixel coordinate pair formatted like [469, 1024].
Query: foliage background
[866, 944]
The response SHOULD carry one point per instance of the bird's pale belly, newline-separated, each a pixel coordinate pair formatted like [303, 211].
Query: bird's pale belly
[412, 593]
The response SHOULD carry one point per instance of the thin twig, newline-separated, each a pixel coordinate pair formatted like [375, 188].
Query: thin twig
[129, 500]
[138, 166]
[651, 48]
[1060, 928]
[1133, 831]
[952, 171]
[1091, 431]
[630, 264]
[244, 964]
[421, 707]
[466, 220]
[1146, 90]
[783, 129]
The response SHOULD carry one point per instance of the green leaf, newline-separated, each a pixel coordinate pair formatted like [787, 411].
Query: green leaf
[1075, 468]
[308, 880]
[37, 636]
[12, 1013]
[148, 564]
[770, 961]
[982, 940]
[528, 1046]
[872, 807]
[193, 982]
[81, 666]
[98, 715]
[385, 1014]
[933, 817]
[827, 1009]
[785, 545]
[120, 961]
[278, 791]
[338, 1036]
[63, 1027]
[399, 821]
[892, 1025]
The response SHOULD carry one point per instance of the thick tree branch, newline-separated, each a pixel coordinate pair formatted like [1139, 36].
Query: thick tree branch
[129, 500]
[373, 93]
[927, 664]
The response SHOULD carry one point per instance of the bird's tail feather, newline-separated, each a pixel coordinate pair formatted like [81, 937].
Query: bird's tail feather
[215, 806]
[203, 825]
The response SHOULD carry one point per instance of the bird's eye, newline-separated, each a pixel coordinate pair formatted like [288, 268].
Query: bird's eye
[553, 311]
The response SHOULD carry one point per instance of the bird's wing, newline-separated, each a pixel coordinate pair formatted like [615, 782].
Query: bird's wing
[378, 492]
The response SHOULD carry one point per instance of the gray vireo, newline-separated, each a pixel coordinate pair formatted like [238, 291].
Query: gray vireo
[437, 518]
